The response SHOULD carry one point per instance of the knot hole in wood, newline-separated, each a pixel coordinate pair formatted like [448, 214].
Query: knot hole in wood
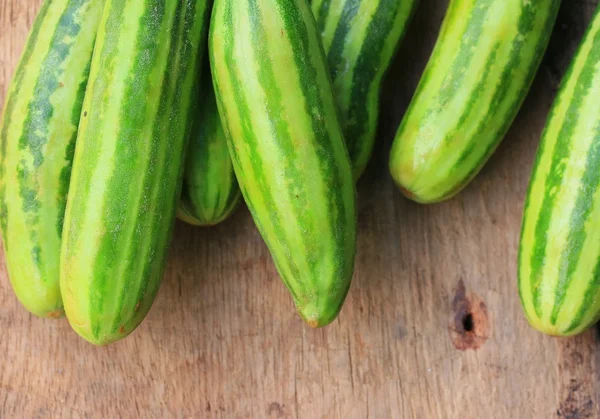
[469, 323]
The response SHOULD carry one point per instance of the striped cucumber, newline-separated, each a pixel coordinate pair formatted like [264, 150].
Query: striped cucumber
[128, 162]
[559, 256]
[37, 140]
[210, 192]
[482, 66]
[360, 38]
[276, 102]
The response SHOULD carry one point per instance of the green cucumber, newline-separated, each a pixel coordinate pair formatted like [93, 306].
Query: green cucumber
[210, 192]
[482, 66]
[559, 256]
[37, 140]
[360, 38]
[128, 162]
[277, 107]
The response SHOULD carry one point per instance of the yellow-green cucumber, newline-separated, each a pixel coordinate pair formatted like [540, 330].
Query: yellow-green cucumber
[210, 192]
[483, 64]
[37, 141]
[277, 106]
[360, 38]
[559, 256]
[128, 162]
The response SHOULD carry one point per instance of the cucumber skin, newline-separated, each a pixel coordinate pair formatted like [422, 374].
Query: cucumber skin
[559, 257]
[480, 71]
[37, 137]
[360, 38]
[210, 191]
[287, 146]
[128, 165]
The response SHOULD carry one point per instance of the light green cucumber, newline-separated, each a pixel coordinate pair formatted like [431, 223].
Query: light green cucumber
[559, 256]
[37, 141]
[276, 103]
[483, 64]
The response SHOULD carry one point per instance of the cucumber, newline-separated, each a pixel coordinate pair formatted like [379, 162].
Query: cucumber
[277, 107]
[482, 66]
[210, 192]
[128, 162]
[37, 141]
[360, 38]
[559, 256]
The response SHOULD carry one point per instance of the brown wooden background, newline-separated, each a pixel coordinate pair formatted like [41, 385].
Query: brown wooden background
[223, 339]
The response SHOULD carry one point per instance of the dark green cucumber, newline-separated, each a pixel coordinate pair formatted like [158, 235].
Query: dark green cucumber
[128, 163]
[210, 191]
[360, 39]
[37, 140]
[277, 107]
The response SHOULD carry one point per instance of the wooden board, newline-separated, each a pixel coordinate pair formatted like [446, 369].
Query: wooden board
[223, 340]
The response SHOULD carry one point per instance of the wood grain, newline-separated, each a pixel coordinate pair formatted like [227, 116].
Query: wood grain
[223, 340]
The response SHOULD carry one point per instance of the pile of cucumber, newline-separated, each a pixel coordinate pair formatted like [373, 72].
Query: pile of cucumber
[124, 114]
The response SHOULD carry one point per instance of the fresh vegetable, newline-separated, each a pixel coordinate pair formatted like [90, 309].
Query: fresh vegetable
[210, 190]
[360, 38]
[127, 170]
[276, 102]
[559, 257]
[485, 59]
[37, 140]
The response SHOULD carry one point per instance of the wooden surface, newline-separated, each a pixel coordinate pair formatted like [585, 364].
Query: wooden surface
[223, 340]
